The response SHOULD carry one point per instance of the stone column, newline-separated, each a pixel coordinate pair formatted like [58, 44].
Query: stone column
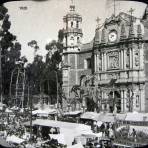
[139, 99]
[124, 56]
[76, 67]
[68, 87]
[132, 99]
[125, 99]
[122, 103]
[105, 62]
[131, 58]
[121, 59]
[96, 62]
[142, 98]
[141, 51]
[102, 62]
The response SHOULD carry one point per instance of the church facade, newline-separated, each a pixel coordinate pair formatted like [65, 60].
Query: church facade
[112, 69]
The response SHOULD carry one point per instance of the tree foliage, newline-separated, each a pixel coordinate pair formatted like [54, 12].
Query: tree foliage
[53, 68]
[10, 50]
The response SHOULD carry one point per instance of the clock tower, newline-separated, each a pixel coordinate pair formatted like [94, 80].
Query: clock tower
[72, 42]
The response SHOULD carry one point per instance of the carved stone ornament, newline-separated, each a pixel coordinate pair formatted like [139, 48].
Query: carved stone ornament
[103, 36]
[123, 32]
[113, 60]
[139, 31]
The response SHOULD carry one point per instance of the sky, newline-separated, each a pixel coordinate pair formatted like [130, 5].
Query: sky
[42, 20]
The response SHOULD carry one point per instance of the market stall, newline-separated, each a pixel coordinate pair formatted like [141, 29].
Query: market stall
[44, 112]
[67, 130]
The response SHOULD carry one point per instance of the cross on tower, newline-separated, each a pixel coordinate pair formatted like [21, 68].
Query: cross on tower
[131, 11]
[72, 6]
[72, 1]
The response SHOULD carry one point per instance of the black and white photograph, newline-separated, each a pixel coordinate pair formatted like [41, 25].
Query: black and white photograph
[73, 74]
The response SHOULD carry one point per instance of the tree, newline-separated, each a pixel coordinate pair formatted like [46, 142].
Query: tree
[61, 35]
[35, 73]
[53, 66]
[10, 51]
[34, 45]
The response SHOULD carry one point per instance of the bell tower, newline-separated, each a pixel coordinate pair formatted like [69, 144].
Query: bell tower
[72, 42]
[72, 30]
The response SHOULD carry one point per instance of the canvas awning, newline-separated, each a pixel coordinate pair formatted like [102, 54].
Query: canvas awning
[108, 118]
[69, 130]
[44, 112]
[90, 115]
[73, 113]
[135, 116]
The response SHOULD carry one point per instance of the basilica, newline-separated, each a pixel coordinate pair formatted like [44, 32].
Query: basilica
[111, 70]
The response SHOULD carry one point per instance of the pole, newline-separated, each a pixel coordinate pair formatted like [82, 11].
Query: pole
[57, 95]
[30, 98]
[57, 90]
[1, 73]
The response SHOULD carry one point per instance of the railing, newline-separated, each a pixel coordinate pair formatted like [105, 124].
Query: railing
[73, 30]
[129, 143]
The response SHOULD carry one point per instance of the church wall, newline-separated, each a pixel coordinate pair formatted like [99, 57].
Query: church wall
[72, 61]
[146, 75]
[146, 97]
[81, 59]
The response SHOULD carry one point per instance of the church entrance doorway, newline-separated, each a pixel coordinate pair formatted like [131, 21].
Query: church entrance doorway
[115, 101]
[91, 105]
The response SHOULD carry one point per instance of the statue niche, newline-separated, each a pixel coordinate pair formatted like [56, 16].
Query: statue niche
[127, 59]
[113, 62]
